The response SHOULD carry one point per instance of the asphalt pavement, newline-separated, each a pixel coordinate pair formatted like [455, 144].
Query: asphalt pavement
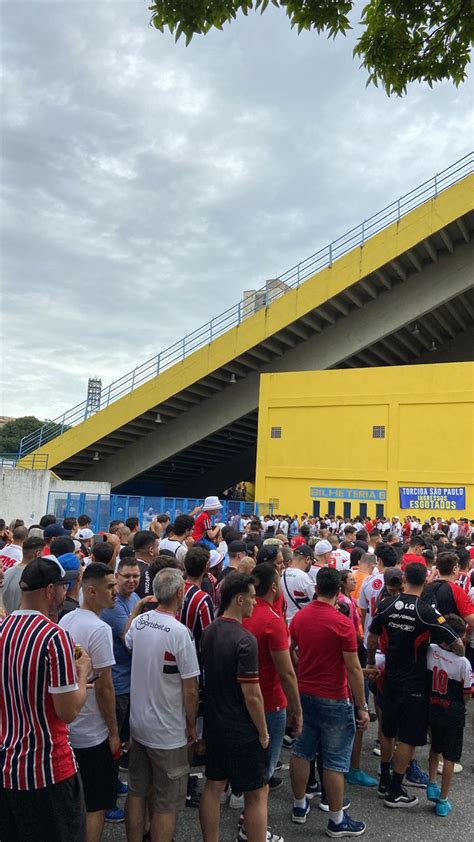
[418, 824]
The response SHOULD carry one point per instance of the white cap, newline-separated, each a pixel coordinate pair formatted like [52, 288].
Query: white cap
[215, 558]
[322, 547]
[85, 534]
[211, 503]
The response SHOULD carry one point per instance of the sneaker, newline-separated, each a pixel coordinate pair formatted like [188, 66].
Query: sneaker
[383, 789]
[275, 783]
[457, 768]
[236, 802]
[193, 796]
[271, 836]
[299, 813]
[115, 816]
[324, 806]
[279, 766]
[225, 795]
[414, 776]
[433, 792]
[376, 749]
[348, 827]
[288, 741]
[401, 800]
[357, 777]
[122, 789]
[313, 790]
[443, 808]
[123, 762]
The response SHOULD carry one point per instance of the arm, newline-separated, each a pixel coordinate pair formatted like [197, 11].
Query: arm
[105, 696]
[191, 703]
[372, 645]
[254, 703]
[356, 683]
[284, 668]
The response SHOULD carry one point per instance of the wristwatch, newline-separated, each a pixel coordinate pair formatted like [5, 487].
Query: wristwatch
[364, 707]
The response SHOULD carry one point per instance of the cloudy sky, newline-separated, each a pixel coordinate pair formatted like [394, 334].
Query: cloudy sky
[146, 185]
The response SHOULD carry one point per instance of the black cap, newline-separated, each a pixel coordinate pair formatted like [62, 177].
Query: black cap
[42, 572]
[237, 547]
[305, 550]
[54, 530]
[362, 544]
[393, 574]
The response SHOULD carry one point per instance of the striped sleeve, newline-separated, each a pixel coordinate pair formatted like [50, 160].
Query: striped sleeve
[206, 611]
[62, 676]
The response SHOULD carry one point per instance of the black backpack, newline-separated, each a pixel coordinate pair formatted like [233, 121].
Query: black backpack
[440, 596]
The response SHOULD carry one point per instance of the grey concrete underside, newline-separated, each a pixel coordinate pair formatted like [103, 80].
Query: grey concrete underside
[421, 293]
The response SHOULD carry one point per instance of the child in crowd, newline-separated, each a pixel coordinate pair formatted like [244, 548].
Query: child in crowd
[450, 687]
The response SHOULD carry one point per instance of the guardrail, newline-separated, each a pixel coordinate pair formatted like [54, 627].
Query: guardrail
[36, 461]
[234, 315]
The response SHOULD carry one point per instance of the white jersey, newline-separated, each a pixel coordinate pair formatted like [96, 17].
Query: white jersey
[342, 559]
[298, 590]
[368, 599]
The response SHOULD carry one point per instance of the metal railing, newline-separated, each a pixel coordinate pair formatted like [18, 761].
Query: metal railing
[234, 315]
[36, 461]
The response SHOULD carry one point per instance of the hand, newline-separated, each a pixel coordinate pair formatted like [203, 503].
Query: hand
[191, 734]
[114, 744]
[83, 665]
[295, 719]
[371, 672]
[363, 720]
[264, 741]
[141, 605]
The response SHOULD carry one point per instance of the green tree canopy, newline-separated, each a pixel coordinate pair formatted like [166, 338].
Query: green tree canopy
[12, 432]
[402, 41]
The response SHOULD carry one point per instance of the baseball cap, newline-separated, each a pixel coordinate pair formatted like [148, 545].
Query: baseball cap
[77, 545]
[237, 547]
[215, 558]
[42, 572]
[393, 575]
[70, 563]
[323, 547]
[211, 503]
[54, 530]
[306, 551]
[85, 534]
[362, 544]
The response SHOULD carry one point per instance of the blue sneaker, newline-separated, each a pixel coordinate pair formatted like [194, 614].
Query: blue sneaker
[115, 816]
[414, 776]
[443, 808]
[299, 813]
[433, 792]
[357, 777]
[348, 827]
[122, 789]
[313, 790]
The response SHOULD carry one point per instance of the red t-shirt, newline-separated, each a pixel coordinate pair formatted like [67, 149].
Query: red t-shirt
[201, 525]
[272, 636]
[464, 605]
[411, 558]
[322, 634]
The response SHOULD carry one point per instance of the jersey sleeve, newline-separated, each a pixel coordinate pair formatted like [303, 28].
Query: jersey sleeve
[186, 658]
[463, 603]
[435, 623]
[101, 650]
[62, 676]
[247, 660]
[277, 635]
[206, 612]
[467, 676]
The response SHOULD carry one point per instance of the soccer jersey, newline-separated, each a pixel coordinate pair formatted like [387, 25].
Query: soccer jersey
[202, 524]
[197, 612]
[298, 589]
[36, 661]
[369, 597]
[271, 632]
[409, 624]
[450, 683]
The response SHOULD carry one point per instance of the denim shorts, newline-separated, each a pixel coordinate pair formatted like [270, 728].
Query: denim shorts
[329, 727]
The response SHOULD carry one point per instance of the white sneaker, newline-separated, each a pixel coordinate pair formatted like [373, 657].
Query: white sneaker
[457, 768]
[225, 795]
[236, 802]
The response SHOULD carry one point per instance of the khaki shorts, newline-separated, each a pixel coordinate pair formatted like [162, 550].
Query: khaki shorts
[160, 772]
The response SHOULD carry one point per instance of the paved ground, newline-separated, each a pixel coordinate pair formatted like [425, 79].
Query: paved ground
[418, 824]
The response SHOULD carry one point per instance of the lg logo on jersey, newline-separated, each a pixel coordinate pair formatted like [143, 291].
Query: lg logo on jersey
[399, 605]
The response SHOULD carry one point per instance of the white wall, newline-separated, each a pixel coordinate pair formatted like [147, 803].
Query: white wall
[24, 493]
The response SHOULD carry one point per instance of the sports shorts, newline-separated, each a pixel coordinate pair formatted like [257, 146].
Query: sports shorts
[447, 741]
[405, 716]
[99, 773]
[244, 766]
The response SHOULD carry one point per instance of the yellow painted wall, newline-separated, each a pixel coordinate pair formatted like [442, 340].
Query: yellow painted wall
[384, 246]
[327, 419]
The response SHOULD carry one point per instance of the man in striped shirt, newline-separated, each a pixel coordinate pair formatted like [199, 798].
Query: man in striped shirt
[43, 690]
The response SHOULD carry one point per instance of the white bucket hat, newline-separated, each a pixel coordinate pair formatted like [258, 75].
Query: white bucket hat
[211, 503]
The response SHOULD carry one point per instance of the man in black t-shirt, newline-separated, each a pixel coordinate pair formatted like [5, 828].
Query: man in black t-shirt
[408, 625]
[235, 728]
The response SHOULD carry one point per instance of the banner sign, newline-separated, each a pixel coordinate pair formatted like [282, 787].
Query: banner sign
[432, 498]
[349, 493]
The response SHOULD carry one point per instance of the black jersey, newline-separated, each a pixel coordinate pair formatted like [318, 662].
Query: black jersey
[410, 624]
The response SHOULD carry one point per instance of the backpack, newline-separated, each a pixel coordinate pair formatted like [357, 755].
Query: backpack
[440, 596]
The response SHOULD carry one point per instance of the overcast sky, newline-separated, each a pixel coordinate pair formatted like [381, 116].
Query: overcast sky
[146, 185]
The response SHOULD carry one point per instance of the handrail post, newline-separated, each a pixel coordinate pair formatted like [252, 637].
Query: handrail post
[40, 436]
[436, 185]
[133, 379]
[210, 331]
[298, 274]
[363, 233]
[398, 209]
[184, 347]
[330, 254]
[239, 312]
[158, 363]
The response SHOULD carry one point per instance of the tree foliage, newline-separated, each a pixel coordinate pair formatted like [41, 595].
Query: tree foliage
[12, 432]
[402, 40]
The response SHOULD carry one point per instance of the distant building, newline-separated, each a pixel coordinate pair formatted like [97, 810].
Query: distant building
[4, 419]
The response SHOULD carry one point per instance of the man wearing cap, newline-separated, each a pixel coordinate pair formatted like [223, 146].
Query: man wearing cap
[296, 584]
[86, 537]
[41, 794]
[32, 548]
[72, 564]
[204, 532]
[323, 555]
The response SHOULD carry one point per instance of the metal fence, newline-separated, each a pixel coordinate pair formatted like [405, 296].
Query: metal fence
[37, 461]
[234, 315]
[102, 508]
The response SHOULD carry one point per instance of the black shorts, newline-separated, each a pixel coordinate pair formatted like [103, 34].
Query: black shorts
[99, 773]
[56, 813]
[245, 767]
[122, 711]
[447, 741]
[405, 716]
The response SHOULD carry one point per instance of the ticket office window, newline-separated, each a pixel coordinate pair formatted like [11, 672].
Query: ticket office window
[316, 508]
[332, 508]
[379, 510]
[346, 510]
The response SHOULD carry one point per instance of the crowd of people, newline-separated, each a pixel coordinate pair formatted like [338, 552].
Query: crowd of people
[196, 643]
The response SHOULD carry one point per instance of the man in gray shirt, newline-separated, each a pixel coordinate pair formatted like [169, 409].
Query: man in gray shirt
[32, 548]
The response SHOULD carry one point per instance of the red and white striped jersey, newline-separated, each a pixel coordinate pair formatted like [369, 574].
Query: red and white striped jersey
[36, 661]
[197, 612]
